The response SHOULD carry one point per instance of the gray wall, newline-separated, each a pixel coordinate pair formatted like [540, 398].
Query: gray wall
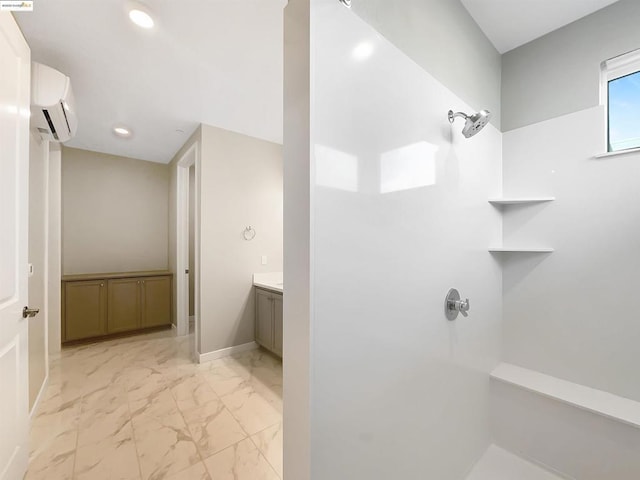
[442, 38]
[115, 213]
[240, 185]
[560, 73]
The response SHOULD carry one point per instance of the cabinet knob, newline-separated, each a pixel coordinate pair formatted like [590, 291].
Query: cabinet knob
[102, 284]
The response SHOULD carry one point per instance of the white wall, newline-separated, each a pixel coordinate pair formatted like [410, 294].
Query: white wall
[38, 193]
[570, 314]
[240, 185]
[399, 215]
[442, 37]
[115, 213]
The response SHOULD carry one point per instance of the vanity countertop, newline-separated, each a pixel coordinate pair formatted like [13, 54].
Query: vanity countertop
[271, 281]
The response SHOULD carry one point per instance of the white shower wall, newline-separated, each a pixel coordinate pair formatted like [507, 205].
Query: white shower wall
[399, 215]
[571, 314]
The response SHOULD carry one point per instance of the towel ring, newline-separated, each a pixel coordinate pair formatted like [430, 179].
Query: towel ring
[249, 233]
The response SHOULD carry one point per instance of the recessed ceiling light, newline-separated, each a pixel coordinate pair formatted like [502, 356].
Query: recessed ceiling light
[141, 18]
[121, 131]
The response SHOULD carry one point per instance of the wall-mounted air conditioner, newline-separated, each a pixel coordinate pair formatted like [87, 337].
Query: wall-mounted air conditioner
[53, 111]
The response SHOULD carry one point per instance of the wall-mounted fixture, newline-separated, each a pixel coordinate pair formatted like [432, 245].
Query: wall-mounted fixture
[53, 110]
[249, 233]
[474, 123]
[453, 305]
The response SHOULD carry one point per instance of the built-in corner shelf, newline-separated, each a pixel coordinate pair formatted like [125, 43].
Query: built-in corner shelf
[502, 201]
[520, 249]
[596, 401]
[520, 200]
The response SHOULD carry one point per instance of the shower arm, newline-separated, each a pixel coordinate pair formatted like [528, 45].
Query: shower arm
[453, 116]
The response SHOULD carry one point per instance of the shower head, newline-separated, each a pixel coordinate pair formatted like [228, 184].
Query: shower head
[474, 123]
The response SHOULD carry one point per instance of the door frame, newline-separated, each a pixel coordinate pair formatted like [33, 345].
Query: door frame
[190, 158]
[44, 308]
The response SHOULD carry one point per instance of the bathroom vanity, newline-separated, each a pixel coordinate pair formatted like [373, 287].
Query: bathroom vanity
[268, 298]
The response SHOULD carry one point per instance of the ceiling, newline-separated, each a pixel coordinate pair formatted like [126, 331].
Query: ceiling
[511, 23]
[217, 62]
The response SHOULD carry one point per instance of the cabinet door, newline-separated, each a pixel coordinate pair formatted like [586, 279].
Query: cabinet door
[156, 301]
[277, 324]
[85, 308]
[264, 318]
[123, 312]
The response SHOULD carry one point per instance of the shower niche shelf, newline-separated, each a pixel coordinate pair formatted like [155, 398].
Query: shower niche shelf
[514, 201]
[520, 249]
[519, 200]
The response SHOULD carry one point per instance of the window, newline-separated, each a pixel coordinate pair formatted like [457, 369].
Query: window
[621, 94]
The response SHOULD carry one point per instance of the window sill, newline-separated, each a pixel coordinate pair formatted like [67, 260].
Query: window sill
[619, 152]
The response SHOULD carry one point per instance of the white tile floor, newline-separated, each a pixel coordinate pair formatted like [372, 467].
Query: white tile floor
[139, 409]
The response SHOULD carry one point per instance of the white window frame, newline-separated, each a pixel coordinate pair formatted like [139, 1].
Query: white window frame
[612, 69]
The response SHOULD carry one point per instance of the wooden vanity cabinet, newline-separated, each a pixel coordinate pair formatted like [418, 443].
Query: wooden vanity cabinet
[156, 301]
[100, 305]
[124, 305]
[84, 309]
[268, 330]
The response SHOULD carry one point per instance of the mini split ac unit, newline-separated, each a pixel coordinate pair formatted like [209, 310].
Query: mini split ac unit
[53, 111]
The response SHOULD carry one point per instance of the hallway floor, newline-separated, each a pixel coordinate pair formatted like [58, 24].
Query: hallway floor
[139, 409]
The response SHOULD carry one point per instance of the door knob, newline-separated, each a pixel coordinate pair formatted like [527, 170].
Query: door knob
[30, 312]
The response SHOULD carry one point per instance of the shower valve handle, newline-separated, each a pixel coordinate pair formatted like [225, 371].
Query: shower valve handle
[463, 307]
[453, 305]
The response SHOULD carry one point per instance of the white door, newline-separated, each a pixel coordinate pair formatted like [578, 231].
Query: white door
[14, 171]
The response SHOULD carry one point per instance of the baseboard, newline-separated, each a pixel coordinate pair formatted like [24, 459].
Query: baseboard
[43, 389]
[174, 326]
[225, 352]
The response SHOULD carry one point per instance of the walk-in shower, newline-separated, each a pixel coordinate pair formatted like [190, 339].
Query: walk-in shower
[474, 123]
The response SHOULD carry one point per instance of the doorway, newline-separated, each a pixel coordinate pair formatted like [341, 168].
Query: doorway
[187, 247]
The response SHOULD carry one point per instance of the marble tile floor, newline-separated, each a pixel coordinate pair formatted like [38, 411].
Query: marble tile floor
[140, 409]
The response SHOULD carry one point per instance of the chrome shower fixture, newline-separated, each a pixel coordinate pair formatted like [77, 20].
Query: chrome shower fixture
[474, 123]
[346, 3]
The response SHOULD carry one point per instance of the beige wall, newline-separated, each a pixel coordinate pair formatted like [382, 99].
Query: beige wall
[241, 184]
[38, 161]
[115, 213]
[240, 180]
